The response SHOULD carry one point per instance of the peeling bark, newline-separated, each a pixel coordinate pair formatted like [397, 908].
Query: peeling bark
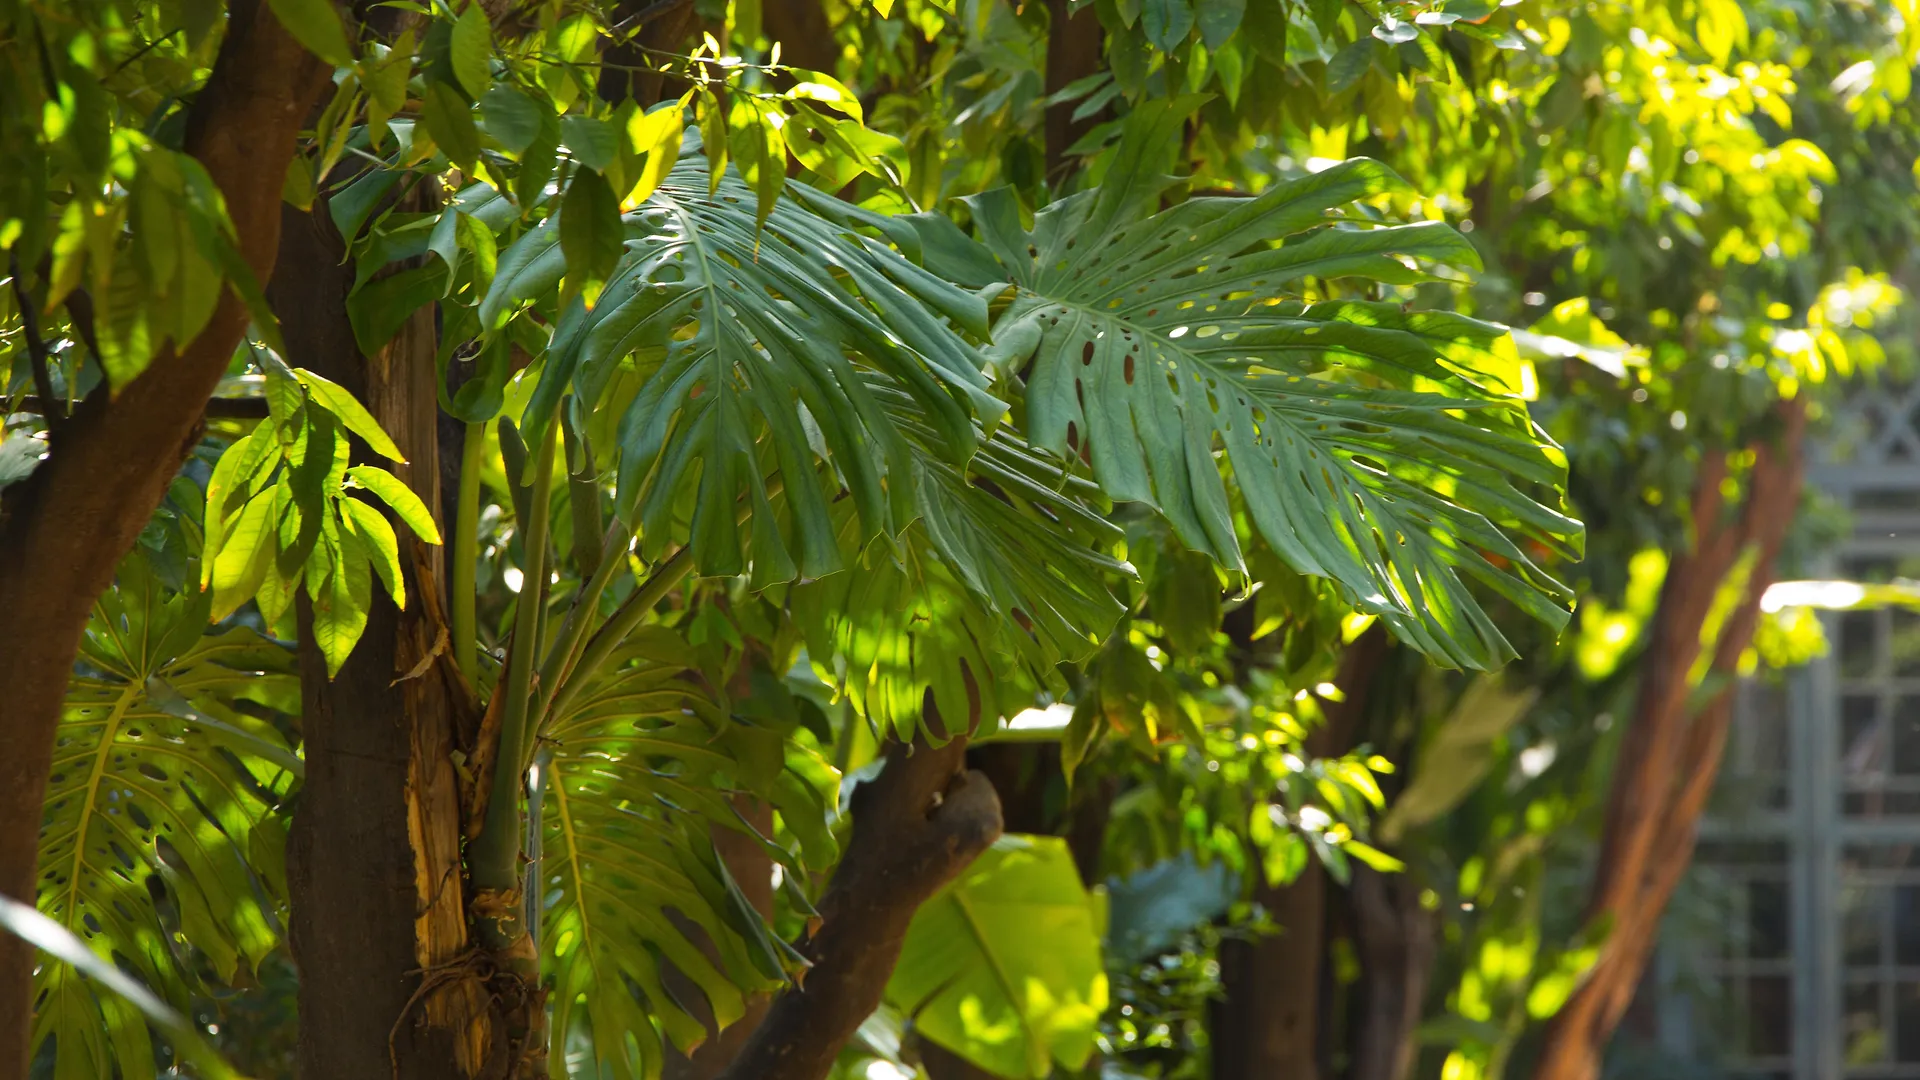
[64, 529]
[374, 856]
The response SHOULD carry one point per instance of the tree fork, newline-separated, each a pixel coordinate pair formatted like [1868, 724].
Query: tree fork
[64, 529]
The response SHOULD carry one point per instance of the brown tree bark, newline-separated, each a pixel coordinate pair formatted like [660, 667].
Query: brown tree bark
[915, 827]
[1073, 52]
[64, 529]
[374, 854]
[1268, 1024]
[1394, 937]
[1671, 754]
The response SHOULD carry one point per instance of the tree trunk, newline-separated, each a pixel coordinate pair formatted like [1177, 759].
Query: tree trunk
[64, 529]
[916, 826]
[1073, 52]
[374, 855]
[1670, 755]
[1268, 1024]
[1394, 937]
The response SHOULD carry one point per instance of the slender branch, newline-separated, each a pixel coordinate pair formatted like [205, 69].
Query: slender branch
[466, 543]
[52, 408]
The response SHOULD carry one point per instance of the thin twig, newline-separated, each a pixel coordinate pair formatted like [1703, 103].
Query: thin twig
[52, 407]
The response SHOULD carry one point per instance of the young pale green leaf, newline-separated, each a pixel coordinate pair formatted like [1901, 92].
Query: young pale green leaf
[248, 549]
[529, 267]
[472, 50]
[759, 153]
[340, 582]
[334, 398]
[316, 25]
[1003, 967]
[658, 135]
[590, 234]
[399, 498]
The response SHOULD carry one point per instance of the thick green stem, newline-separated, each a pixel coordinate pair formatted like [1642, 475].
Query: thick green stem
[466, 554]
[603, 643]
[586, 603]
[495, 854]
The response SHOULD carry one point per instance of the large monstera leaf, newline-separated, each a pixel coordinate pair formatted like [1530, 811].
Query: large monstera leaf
[743, 349]
[635, 773]
[1000, 579]
[163, 785]
[1374, 446]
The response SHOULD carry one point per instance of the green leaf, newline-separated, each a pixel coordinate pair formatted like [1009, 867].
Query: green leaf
[248, 549]
[512, 118]
[376, 533]
[529, 267]
[316, 25]
[722, 385]
[379, 309]
[51, 938]
[593, 142]
[635, 780]
[1375, 446]
[1456, 755]
[759, 153]
[1168, 22]
[472, 49]
[158, 772]
[590, 234]
[1003, 967]
[340, 583]
[399, 498]
[334, 398]
[449, 121]
[1219, 19]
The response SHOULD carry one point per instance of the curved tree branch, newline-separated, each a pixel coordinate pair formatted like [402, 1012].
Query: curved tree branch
[915, 828]
[65, 528]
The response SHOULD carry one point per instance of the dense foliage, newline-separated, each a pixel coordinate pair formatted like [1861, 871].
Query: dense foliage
[1193, 403]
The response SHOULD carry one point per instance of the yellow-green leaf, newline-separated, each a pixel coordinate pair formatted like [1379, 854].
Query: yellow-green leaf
[316, 25]
[412, 512]
[244, 555]
[377, 534]
[334, 398]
